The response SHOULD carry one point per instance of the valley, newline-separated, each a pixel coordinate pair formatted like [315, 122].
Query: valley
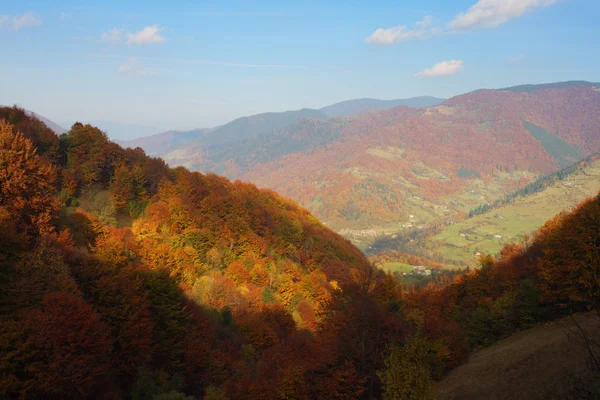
[388, 172]
[287, 200]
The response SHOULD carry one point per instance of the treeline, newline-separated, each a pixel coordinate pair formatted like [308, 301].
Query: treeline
[178, 285]
[541, 183]
[123, 278]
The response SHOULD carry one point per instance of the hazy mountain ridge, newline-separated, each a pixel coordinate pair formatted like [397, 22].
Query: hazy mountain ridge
[241, 128]
[164, 142]
[356, 106]
[528, 88]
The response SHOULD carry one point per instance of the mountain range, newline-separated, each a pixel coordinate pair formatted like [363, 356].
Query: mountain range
[244, 127]
[405, 166]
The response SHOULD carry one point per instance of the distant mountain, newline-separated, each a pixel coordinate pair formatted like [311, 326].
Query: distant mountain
[246, 127]
[351, 107]
[409, 167]
[50, 124]
[165, 142]
[237, 130]
[556, 85]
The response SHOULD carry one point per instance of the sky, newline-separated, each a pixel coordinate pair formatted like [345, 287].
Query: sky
[193, 64]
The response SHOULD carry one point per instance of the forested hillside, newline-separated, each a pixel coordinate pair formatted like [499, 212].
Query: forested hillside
[123, 278]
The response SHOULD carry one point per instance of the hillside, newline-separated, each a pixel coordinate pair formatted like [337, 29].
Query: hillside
[545, 362]
[356, 106]
[373, 171]
[488, 232]
[124, 278]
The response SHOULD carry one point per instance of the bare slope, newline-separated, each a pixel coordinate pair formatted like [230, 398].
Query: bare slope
[545, 362]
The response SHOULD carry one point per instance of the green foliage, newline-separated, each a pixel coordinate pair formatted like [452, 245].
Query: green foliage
[267, 295]
[407, 373]
[215, 393]
[564, 153]
[541, 183]
[173, 395]
[466, 173]
[100, 203]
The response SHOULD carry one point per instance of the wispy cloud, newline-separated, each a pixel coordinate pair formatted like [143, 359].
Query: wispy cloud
[18, 22]
[132, 66]
[148, 35]
[482, 14]
[402, 33]
[515, 59]
[114, 35]
[491, 13]
[444, 68]
[206, 62]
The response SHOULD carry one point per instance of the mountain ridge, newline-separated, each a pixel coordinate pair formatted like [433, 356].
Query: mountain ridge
[356, 106]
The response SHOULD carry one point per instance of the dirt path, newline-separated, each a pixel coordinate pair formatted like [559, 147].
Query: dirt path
[545, 362]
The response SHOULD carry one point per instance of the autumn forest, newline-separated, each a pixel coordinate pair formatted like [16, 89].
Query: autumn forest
[122, 278]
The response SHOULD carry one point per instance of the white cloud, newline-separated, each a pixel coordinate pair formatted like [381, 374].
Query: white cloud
[19, 22]
[444, 68]
[402, 33]
[133, 67]
[515, 59]
[148, 35]
[114, 35]
[491, 13]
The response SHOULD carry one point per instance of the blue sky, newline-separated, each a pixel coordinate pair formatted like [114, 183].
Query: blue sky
[186, 64]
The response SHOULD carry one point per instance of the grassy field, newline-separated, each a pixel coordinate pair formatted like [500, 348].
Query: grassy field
[489, 232]
[397, 267]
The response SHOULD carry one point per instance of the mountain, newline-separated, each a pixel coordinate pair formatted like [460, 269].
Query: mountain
[556, 85]
[52, 125]
[380, 172]
[245, 127]
[124, 278]
[356, 106]
[162, 143]
[239, 129]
